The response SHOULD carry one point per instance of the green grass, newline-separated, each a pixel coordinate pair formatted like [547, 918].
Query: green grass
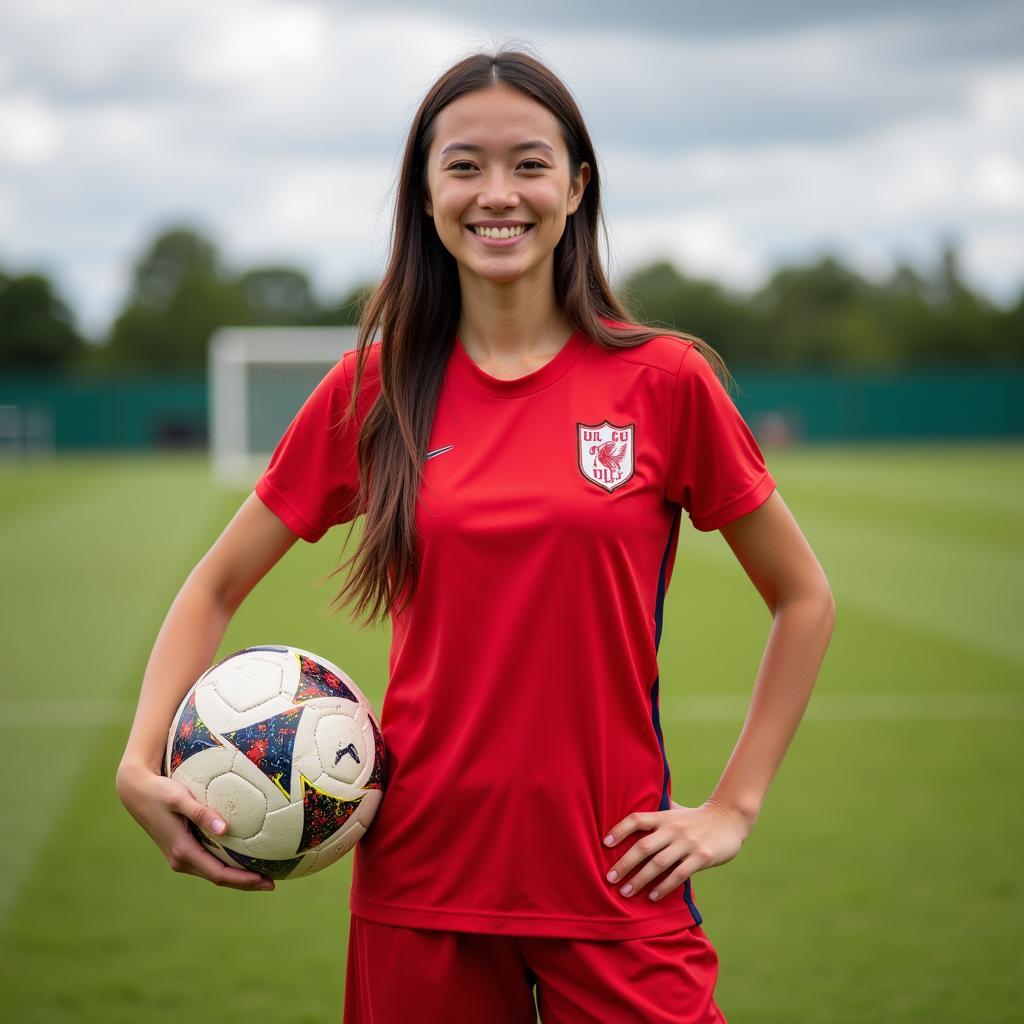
[881, 883]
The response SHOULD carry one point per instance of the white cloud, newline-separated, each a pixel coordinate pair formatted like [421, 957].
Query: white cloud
[317, 207]
[991, 260]
[238, 49]
[876, 198]
[279, 127]
[998, 182]
[6, 211]
[31, 133]
[701, 244]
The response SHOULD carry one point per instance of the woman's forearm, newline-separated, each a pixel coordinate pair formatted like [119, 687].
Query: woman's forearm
[184, 649]
[800, 634]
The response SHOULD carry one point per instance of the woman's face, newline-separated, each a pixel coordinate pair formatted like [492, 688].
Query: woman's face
[476, 175]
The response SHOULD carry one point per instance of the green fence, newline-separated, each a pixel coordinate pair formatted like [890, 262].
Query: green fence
[925, 404]
[139, 411]
[171, 410]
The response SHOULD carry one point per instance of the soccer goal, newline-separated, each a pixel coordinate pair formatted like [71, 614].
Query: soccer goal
[258, 379]
[26, 430]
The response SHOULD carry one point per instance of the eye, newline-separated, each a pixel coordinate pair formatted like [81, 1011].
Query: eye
[465, 163]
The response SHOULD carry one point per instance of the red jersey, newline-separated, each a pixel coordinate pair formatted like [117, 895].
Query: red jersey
[521, 716]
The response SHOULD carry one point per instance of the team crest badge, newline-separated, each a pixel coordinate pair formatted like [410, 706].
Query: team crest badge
[605, 453]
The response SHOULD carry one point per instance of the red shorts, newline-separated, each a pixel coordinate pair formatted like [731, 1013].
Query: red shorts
[397, 975]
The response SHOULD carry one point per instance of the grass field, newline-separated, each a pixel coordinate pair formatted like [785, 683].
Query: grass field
[881, 884]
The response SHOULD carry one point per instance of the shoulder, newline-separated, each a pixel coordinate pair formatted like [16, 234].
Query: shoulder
[344, 372]
[347, 363]
[663, 352]
[369, 383]
[334, 390]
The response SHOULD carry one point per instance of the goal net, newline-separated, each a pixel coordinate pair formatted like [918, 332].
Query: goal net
[258, 379]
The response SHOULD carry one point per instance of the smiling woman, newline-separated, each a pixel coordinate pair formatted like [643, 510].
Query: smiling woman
[522, 451]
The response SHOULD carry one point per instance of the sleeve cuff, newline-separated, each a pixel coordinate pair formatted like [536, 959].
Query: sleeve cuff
[737, 507]
[280, 507]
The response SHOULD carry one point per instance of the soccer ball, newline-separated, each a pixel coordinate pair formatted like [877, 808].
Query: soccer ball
[285, 747]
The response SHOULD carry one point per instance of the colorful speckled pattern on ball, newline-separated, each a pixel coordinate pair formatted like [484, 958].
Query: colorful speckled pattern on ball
[378, 777]
[192, 735]
[316, 681]
[270, 745]
[322, 814]
[277, 869]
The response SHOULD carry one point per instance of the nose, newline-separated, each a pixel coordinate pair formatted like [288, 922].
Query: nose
[497, 193]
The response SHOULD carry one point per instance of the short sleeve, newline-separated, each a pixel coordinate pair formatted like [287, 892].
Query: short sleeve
[312, 480]
[716, 470]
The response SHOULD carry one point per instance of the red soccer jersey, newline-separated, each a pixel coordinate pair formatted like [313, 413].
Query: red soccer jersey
[521, 716]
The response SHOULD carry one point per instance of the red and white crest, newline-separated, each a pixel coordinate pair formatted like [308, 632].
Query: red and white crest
[605, 453]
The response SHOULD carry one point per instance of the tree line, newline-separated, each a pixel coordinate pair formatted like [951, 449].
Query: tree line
[821, 315]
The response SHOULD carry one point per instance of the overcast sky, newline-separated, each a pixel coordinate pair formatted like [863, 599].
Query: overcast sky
[730, 137]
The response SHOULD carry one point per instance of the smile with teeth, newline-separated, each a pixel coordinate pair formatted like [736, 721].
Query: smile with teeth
[502, 232]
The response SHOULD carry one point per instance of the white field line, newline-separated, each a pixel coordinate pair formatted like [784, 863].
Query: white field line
[959, 475]
[59, 713]
[824, 707]
[959, 591]
[857, 707]
[55, 537]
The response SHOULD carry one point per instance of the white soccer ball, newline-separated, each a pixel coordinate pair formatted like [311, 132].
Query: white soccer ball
[285, 747]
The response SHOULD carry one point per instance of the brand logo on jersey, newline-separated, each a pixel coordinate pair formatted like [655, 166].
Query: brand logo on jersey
[605, 453]
[438, 451]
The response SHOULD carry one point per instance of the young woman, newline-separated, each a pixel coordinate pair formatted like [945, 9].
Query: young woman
[522, 453]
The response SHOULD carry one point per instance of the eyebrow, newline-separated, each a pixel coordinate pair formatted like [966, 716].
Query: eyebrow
[469, 147]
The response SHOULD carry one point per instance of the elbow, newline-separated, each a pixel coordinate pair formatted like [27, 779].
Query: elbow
[818, 604]
[829, 610]
[215, 589]
[821, 605]
[818, 595]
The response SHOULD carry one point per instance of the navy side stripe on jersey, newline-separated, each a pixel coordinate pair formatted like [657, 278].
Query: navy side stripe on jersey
[655, 714]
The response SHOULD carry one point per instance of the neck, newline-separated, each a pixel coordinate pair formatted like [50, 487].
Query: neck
[500, 322]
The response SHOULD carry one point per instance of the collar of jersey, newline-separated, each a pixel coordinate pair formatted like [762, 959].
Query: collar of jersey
[552, 370]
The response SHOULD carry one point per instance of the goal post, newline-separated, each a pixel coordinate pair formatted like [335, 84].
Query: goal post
[258, 379]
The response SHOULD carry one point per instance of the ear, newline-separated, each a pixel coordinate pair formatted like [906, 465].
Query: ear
[579, 186]
[427, 205]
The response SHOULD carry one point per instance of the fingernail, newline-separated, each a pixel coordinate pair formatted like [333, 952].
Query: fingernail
[626, 890]
[608, 840]
[612, 875]
[655, 895]
[218, 825]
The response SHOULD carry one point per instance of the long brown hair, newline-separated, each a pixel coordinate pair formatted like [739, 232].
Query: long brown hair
[417, 306]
